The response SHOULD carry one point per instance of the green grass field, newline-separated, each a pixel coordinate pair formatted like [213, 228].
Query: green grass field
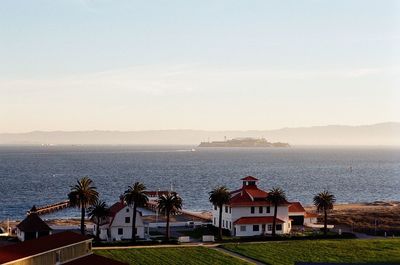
[154, 256]
[351, 251]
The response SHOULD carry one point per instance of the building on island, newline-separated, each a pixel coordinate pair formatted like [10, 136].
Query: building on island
[32, 227]
[118, 225]
[62, 248]
[248, 213]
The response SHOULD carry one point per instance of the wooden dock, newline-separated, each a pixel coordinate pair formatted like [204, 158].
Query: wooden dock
[51, 207]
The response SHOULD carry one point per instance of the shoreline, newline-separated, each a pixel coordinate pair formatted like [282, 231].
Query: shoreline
[361, 216]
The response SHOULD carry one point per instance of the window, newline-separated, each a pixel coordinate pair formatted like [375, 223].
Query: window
[260, 209]
[256, 228]
[252, 209]
[263, 227]
[215, 221]
[243, 228]
[88, 246]
[120, 231]
[215, 207]
[278, 227]
[269, 227]
[268, 209]
[127, 220]
[230, 225]
[226, 209]
[230, 209]
[58, 256]
[127, 210]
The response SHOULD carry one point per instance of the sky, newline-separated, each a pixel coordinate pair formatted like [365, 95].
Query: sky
[210, 64]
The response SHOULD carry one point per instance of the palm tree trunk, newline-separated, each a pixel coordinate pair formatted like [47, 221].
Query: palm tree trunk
[98, 229]
[134, 223]
[325, 222]
[274, 219]
[83, 220]
[220, 223]
[167, 232]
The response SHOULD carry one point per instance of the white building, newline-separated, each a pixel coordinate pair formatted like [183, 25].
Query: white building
[118, 225]
[249, 214]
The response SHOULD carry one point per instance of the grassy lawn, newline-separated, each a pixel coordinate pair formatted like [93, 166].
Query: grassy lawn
[351, 251]
[186, 256]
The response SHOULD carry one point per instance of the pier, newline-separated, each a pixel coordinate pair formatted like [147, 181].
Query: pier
[51, 207]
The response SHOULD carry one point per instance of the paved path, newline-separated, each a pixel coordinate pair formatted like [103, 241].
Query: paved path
[238, 256]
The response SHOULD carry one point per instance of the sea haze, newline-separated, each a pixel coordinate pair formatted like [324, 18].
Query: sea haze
[43, 174]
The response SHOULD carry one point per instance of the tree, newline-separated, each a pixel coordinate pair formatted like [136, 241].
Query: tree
[83, 195]
[276, 196]
[135, 196]
[324, 202]
[168, 204]
[218, 197]
[98, 212]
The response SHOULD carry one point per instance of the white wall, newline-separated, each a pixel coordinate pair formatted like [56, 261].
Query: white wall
[238, 212]
[119, 222]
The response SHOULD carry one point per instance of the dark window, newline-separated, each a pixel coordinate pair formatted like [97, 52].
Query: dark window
[263, 227]
[226, 209]
[127, 210]
[215, 207]
[230, 209]
[278, 227]
[268, 209]
[230, 225]
[260, 209]
[127, 220]
[58, 256]
[252, 209]
[120, 231]
[256, 228]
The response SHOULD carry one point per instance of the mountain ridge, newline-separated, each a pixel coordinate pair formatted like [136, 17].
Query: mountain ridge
[385, 133]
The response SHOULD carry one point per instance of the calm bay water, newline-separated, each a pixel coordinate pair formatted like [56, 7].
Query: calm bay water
[43, 175]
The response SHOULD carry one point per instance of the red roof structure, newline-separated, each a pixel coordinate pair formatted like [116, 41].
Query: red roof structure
[40, 245]
[249, 178]
[257, 220]
[249, 194]
[296, 207]
[33, 223]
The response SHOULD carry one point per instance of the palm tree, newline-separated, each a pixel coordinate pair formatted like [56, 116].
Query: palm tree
[98, 212]
[168, 204]
[218, 197]
[83, 195]
[324, 202]
[135, 196]
[276, 196]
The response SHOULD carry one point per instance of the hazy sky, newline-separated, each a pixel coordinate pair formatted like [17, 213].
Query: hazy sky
[134, 65]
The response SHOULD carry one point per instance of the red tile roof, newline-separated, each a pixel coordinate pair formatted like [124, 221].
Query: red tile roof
[94, 259]
[255, 192]
[296, 207]
[257, 220]
[40, 245]
[249, 178]
[33, 223]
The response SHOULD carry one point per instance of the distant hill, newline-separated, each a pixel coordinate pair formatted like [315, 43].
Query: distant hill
[376, 134]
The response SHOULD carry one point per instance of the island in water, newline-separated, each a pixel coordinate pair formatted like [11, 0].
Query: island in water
[243, 142]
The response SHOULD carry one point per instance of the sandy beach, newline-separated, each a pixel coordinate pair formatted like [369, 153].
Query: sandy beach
[373, 217]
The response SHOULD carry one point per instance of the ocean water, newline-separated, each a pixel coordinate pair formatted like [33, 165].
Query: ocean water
[42, 175]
